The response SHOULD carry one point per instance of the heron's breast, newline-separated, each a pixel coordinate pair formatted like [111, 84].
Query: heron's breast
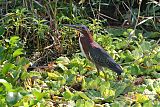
[82, 47]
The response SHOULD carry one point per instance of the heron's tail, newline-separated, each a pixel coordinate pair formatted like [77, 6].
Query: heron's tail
[117, 69]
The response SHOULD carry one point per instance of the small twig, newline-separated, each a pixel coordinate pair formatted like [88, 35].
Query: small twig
[148, 18]
[139, 10]
[39, 59]
[108, 17]
[99, 9]
[129, 9]
[102, 17]
[133, 32]
[48, 47]
[155, 2]
[91, 8]
[158, 41]
[118, 9]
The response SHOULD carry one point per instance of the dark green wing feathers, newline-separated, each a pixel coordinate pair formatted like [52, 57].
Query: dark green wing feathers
[101, 57]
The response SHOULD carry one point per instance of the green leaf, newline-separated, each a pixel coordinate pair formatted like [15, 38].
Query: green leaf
[141, 88]
[135, 70]
[83, 83]
[13, 40]
[84, 103]
[94, 95]
[13, 97]
[141, 98]
[120, 89]
[89, 103]
[116, 104]
[7, 85]
[125, 33]
[137, 54]
[108, 93]
[23, 61]
[68, 94]
[129, 30]
[158, 55]
[18, 52]
[83, 95]
[146, 45]
[7, 67]
[64, 68]
[63, 60]
[2, 52]
[2, 30]
[94, 84]
[54, 76]
[107, 84]
[2, 49]
[148, 104]
[80, 103]
[38, 95]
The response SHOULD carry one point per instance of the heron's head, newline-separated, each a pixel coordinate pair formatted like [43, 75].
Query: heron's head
[81, 28]
[85, 32]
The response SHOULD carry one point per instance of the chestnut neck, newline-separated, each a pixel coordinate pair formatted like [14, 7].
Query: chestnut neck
[88, 35]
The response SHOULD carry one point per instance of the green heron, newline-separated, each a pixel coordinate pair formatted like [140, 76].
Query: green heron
[93, 51]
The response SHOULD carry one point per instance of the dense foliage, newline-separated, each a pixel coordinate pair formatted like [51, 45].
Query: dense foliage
[41, 63]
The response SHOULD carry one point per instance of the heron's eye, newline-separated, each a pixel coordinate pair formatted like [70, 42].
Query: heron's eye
[84, 28]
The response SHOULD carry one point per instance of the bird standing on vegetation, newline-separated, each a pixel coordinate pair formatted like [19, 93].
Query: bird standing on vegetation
[93, 51]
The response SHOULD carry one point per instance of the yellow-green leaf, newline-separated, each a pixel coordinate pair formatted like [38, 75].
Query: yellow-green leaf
[7, 85]
[54, 76]
[18, 52]
[68, 94]
[141, 98]
[83, 95]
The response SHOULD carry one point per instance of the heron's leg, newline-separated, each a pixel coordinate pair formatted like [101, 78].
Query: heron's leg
[105, 75]
[98, 71]
[119, 77]
[99, 68]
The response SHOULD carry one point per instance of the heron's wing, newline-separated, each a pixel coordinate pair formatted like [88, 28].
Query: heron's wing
[100, 57]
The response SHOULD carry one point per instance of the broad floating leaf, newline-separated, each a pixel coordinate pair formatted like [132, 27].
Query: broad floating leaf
[83, 95]
[38, 95]
[89, 103]
[108, 93]
[80, 103]
[120, 89]
[13, 97]
[68, 94]
[146, 45]
[137, 53]
[141, 98]
[148, 104]
[84, 103]
[54, 76]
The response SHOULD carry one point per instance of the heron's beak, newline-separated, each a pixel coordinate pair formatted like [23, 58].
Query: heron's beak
[77, 27]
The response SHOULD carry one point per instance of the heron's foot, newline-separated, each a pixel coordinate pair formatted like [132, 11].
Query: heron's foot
[105, 76]
[119, 77]
[98, 73]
